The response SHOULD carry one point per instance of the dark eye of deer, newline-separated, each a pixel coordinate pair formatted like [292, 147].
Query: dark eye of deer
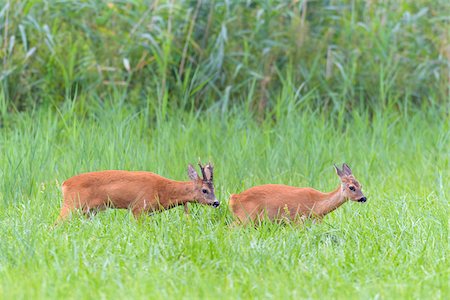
[204, 191]
[352, 188]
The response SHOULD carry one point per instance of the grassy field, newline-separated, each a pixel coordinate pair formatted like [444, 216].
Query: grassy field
[394, 246]
[270, 91]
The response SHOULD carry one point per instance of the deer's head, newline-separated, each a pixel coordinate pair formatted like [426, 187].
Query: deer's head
[204, 187]
[350, 186]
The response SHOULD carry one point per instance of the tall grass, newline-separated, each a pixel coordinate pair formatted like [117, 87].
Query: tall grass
[395, 246]
[189, 54]
[271, 92]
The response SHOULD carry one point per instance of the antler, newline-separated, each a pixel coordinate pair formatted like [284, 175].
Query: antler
[209, 171]
[202, 169]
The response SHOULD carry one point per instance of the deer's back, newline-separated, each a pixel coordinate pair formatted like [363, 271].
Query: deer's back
[101, 178]
[121, 187]
[276, 192]
[272, 199]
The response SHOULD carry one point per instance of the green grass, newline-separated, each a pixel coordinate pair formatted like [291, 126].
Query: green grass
[394, 246]
[270, 91]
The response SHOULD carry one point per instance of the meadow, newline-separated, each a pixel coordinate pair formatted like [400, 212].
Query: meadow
[269, 92]
[394, 246]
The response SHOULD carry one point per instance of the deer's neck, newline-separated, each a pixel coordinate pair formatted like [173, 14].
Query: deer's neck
[177, 193]
[330, 201]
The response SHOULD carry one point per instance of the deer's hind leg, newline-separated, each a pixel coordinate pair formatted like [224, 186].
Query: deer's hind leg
[79, 201]
[64, 213]
[67, 206]
[244, 218]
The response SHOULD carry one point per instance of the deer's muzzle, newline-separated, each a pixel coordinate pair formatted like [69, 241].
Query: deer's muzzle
[363, 199]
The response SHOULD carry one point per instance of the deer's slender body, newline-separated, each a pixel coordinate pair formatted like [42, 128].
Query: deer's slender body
[276, 201]
[140, 191]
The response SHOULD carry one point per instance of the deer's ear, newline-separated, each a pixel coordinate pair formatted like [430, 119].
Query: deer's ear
[192, 173]
[346, 169]
[208, 174]
[338, 172]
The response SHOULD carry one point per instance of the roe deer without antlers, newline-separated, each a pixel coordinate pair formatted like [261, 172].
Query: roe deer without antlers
[142, 192]
[281, 202]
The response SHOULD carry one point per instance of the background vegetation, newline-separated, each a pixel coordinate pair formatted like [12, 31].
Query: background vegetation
[271, 92]
[194, 54]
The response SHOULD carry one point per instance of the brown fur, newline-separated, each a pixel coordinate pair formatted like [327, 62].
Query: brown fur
[142, 192]
[278, 202]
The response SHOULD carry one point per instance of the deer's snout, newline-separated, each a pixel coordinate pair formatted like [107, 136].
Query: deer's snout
[216, 203]
[363, 199]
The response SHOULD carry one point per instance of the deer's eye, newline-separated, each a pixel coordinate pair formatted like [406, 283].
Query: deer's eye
[352, 188]
[205, 191]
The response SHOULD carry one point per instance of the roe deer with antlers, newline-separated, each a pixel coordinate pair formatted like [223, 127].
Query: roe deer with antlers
[142, 192]
[282, 202]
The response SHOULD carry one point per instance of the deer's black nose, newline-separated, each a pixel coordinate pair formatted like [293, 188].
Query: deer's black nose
[216, 203]
[363, 199]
